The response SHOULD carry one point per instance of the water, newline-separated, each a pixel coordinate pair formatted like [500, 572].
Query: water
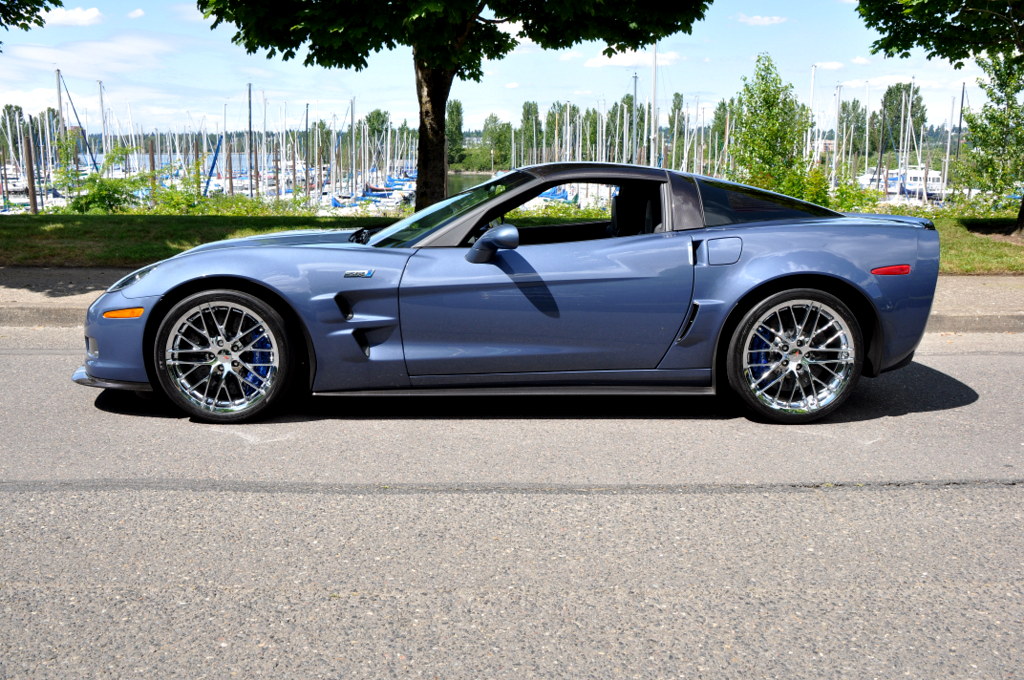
[461, 181]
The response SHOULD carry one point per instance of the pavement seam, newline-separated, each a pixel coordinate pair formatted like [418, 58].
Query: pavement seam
[310, 488]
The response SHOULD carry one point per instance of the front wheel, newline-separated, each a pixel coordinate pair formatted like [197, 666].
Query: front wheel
[222, 356]
[796, 356]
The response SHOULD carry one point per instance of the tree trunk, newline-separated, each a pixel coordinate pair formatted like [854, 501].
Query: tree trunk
[1020, 217]
[432, 89]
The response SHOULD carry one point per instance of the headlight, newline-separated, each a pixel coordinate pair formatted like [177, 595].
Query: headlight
[131, 279]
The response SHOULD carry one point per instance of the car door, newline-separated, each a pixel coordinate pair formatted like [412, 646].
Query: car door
[598, 305]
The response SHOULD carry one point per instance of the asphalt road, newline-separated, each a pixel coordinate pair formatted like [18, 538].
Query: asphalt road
[515, 537]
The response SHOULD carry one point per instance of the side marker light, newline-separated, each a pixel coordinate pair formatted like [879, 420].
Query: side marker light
[894, 270]
[131, 313]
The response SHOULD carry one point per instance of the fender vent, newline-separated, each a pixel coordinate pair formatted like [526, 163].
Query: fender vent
[359, 335]
[343, 306]
[688, 324]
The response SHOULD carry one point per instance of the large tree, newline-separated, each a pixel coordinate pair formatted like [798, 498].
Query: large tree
[770, 124]
[448, 39]
[952, 29]
[955, 30]
[24, 14]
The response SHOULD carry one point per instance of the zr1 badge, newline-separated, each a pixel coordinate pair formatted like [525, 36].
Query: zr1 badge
[359, 274]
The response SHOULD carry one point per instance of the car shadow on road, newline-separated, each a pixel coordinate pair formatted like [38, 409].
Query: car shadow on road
[516, 407]
[914, 389]
[145, 404]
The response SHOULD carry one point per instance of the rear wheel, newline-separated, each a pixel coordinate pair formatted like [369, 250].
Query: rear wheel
[796, 356]
[223, 356]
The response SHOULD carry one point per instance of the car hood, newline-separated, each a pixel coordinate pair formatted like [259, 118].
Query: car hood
[303, 237]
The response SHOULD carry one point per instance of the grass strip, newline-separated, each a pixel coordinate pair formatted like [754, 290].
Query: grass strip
[968, 244]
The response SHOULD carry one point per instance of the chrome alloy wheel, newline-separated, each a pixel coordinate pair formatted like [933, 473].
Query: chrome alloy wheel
[222, 357]
[799, 357]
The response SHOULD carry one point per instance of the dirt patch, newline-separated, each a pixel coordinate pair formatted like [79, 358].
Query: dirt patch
[997, 229]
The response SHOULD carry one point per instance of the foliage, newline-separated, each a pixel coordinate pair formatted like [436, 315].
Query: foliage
[955, 30]
[530, 133]
[850, 130]
[559, 210]
[453, 132]
[101, 194]
[24, 14]
[448, 40]
[237, 205]
[497, 140]
[952, 29]
[994, 158]
[377, 123]
[892, 112]
[770, 124]
[848, 196]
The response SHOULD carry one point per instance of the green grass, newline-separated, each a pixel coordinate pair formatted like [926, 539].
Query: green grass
[135, 240]
[968, 248]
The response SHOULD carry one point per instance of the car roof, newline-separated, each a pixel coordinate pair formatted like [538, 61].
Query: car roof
[552, 171]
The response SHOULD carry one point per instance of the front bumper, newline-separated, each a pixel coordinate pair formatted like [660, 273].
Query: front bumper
[115, 350]
[82, 377]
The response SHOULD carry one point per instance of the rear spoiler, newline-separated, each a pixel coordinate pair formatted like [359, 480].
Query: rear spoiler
[922, 222]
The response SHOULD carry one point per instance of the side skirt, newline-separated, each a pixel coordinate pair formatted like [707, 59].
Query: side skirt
[535, 390]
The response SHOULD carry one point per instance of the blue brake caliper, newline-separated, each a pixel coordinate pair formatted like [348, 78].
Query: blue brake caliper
[758, 352]
[261, 354]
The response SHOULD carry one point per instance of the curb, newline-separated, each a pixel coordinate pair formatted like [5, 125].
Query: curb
[69, 317]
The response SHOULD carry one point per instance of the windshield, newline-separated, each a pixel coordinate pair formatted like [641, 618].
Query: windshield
[407, 232]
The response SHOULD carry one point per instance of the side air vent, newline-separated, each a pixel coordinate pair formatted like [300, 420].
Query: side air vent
[343, 306]
[359, 335]
[688, 324]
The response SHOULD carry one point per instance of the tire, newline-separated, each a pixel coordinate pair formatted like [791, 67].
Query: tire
[223, 356]
[796, 356]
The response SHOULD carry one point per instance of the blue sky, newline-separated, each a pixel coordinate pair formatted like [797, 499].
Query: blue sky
[163, 68]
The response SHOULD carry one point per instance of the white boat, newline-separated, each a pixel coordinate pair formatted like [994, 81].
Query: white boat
[914, 184]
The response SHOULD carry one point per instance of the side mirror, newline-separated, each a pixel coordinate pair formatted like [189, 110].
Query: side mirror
[506, 236]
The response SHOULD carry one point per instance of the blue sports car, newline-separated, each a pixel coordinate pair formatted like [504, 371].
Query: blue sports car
[684, 285]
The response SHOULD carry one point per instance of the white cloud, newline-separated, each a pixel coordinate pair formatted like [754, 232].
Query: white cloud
[513, 28]
[511, 86]
[78, 16]
[136, 14]
[861, 61]
[93, 59]
[760, 21]
[189, 13]
[829, 65]
[569, 56]
[633, 59]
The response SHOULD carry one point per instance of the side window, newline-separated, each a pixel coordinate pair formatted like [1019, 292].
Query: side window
[582, 212]
[727, 203]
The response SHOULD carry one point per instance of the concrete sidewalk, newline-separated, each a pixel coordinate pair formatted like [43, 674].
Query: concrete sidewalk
[41, 296]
